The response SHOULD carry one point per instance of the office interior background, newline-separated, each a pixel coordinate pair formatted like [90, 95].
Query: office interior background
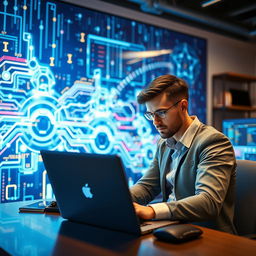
[71, 70]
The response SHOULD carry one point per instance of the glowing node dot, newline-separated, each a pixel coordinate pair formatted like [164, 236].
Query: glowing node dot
[53, 45]
[25, 7]
[33, 64]
[6, 75]
[108, 27]
[62, 31]
[8, 145]
[10, 96]
[54, 19]
[23, 148]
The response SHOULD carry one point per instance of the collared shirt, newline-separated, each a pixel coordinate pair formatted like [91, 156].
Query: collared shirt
[162, 211]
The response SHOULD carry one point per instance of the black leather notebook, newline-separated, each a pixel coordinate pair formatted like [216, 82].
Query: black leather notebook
[40, 207]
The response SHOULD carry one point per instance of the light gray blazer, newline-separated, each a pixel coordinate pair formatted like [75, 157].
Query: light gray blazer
[204, 184]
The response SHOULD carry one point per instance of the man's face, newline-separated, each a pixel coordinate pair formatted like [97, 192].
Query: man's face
[173, 120]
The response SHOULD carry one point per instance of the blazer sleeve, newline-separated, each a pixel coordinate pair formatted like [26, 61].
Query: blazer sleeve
[213, 174]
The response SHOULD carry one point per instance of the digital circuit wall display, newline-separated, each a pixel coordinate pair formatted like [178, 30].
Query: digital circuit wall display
[69, 77]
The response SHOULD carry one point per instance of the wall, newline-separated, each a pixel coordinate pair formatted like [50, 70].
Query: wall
[224, 53]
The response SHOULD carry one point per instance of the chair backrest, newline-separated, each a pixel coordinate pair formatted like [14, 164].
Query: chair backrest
[245, 204]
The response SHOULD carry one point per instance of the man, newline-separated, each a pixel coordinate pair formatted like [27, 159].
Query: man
[194, 165]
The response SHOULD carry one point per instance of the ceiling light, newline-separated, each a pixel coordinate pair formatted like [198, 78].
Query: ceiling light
[140, 55]
[209, 2]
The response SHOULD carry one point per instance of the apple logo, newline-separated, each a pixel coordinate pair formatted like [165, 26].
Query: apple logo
[87, 191]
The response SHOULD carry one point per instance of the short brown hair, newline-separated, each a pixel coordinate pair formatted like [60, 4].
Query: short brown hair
[174, 87]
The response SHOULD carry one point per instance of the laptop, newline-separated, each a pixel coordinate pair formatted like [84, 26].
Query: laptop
[92, 189]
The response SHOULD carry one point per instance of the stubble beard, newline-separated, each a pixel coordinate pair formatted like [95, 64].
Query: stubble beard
[167, 135]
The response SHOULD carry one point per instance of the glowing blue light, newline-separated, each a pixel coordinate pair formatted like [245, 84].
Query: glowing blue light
[6, 75]
[23, 148]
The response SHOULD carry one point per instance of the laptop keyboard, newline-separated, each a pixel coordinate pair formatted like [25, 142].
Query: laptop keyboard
[144, 223]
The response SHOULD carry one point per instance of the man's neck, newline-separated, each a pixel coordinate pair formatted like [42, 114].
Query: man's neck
[187, 122]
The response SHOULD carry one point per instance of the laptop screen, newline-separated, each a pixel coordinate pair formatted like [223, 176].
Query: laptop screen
[91, 188]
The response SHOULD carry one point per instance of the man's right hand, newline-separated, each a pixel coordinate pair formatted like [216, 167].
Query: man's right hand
[144, 212]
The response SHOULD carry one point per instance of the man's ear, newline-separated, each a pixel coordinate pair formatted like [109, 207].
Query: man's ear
[184, 105]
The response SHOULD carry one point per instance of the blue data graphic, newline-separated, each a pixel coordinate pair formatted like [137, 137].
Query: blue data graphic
[69, 77]
[242, 134]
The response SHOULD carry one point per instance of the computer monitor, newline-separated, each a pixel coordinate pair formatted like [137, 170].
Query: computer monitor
[242, 134]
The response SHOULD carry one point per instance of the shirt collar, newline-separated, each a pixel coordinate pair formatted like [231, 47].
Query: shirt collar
[187, 137]
[171, 142]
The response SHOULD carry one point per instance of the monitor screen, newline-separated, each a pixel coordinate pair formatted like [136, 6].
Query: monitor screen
[68, 82]
[242, 134]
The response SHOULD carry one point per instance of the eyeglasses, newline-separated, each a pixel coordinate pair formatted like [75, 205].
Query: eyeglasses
[159, 113]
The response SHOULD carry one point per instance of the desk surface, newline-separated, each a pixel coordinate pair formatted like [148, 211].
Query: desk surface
[49, 234]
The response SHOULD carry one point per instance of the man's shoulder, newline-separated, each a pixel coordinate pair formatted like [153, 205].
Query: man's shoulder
[208, 134]
[210, 130]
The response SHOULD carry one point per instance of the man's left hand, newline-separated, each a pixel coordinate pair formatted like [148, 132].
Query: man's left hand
[144, 212]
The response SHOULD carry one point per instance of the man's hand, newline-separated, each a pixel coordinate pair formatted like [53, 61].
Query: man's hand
[144, 212]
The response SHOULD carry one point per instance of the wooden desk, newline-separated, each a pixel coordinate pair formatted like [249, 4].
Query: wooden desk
[49, 234]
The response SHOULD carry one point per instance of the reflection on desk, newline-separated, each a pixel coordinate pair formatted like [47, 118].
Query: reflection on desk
[94, 240]
[49, 234]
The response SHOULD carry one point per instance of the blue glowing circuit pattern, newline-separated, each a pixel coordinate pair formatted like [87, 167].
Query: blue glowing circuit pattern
[69, 77]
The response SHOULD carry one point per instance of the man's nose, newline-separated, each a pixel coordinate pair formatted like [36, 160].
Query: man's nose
[156, 120]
